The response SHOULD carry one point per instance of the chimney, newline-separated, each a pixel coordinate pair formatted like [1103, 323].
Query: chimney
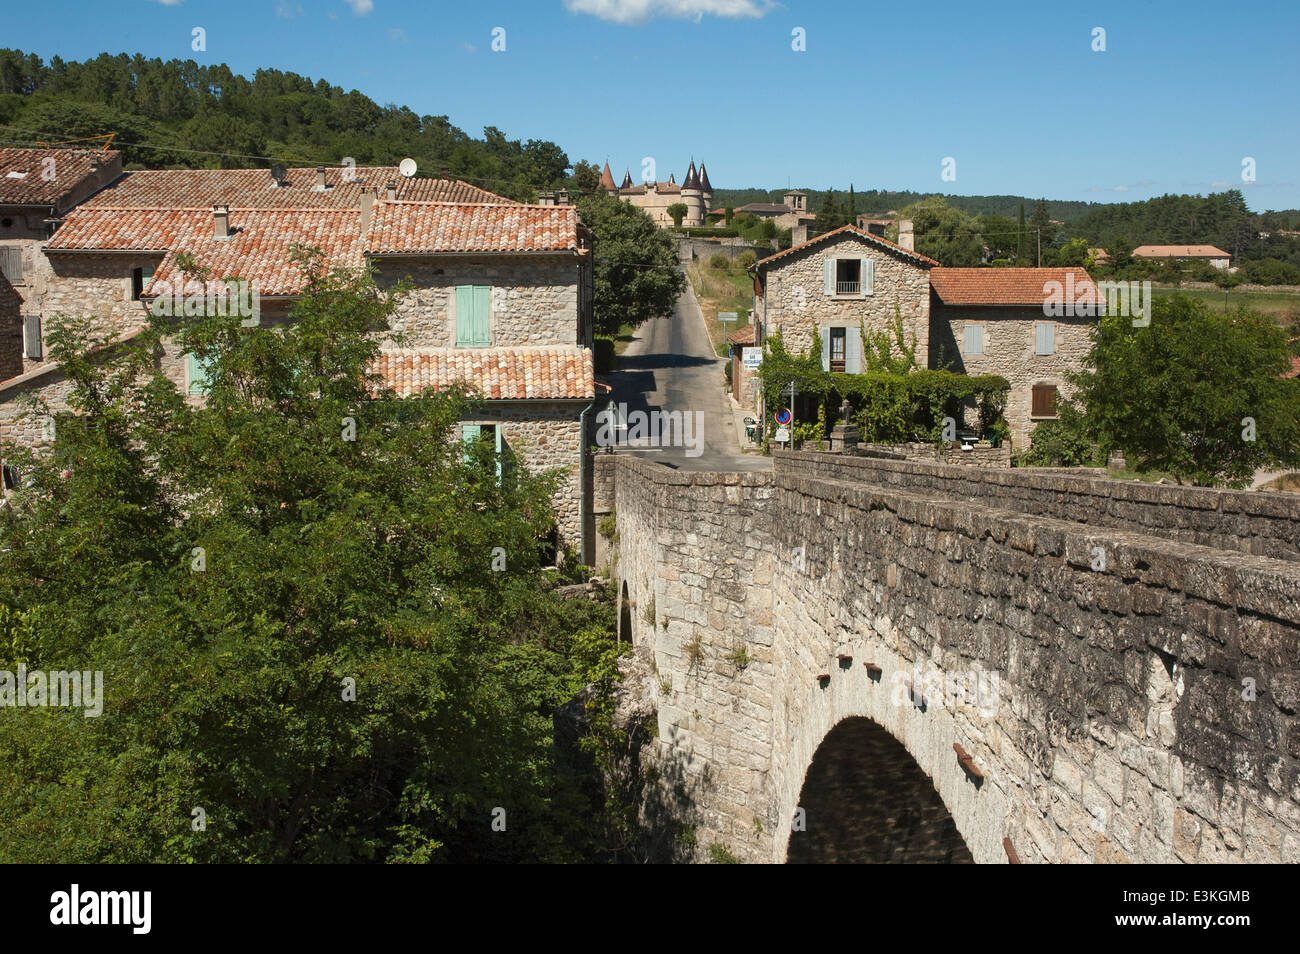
[321, 184]
[221, 221]
[798, 235]
[562, 197]
[546, 198]
[392, 190]
[367, 203]
[905, 237]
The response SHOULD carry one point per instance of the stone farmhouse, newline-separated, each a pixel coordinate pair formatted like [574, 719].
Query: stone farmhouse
[970, 320]
[790, 213]
[654, 198]
[1185, 253]
[502, 296]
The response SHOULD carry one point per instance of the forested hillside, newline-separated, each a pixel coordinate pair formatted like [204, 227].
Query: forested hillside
[179, 113]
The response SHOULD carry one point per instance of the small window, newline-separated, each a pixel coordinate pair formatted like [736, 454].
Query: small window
[473, 303]
[198, 373]
[1045, 339]
[10, 477]
[838, 340]
[1044, 401]
[848, 277]
[489, 434]
[11, 264]
[140, 278]
[973, 339]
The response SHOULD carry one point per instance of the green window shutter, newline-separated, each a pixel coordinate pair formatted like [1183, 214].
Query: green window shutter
[482, 308]
[501, 448]
[197, 372]
[464, 314]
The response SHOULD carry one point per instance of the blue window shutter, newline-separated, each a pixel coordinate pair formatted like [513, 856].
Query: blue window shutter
[1046, 339]
[482, 308]
[197, 371]
[464, 314]
[469, 435]
[828, 276]
[853, 350]
[868, 274]
[974, 339]
[825, 333]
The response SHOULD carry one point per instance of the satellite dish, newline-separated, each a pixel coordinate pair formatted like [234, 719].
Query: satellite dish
[406, 167]
[279, 173]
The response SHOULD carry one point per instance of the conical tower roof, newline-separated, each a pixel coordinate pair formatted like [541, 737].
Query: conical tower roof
[607, 179]
[705, 186]
[627, 179]
[692, 180]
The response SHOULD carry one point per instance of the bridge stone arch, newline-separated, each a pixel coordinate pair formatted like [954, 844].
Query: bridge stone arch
[865, 800]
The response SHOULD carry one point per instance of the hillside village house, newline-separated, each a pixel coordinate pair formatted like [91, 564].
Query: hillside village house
[37, 188]
[502, 297]
[1185, 253]
[971, 320]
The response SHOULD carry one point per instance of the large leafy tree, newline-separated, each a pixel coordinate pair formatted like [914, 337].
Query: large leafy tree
[238, 570]
[637, 275]
[944, 233]
[1196, 394]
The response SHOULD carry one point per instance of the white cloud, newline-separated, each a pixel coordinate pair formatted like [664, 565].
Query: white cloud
[640, 11]
[361, 7]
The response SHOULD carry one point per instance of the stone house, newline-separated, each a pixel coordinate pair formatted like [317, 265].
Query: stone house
[970, 320]
[995, 321]
[1185, 253]
[502, 295]
[37, 189]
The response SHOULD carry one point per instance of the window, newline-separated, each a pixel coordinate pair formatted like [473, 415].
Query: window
[32, 332]
[1044, 401]
[139, 280]
[848, 276]
[1045, 339]
[489, 434]
[197, 373]
[972, 339]
[472, 307]
[837, 350]
[11, 264]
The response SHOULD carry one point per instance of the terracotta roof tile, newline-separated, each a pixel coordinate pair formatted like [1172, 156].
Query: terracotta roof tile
[499, 373]
[743, 336]
[1179, 251]
[22, 179]
[404, 227]
[1002, 286]
[860, 233]
[255, 189]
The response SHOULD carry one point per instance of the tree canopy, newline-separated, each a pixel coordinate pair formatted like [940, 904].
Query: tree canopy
[637, 275]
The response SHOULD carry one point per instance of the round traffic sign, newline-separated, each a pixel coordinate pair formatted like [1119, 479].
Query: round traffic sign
[783, 416]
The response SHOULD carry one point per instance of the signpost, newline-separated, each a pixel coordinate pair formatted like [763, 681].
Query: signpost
[752, 358]
[726, 316]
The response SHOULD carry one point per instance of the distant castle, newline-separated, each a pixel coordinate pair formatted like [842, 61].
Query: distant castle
[695, 193]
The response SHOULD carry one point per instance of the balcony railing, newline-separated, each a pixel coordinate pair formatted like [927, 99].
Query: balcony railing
[848, 288]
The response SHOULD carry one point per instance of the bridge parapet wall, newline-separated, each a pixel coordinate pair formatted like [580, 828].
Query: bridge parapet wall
[1267, 524]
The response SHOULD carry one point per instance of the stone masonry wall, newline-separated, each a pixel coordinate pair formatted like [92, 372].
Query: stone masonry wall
[533, 302]
[1009, 351]
[794, 301]
[1267, 524]
[1146, 711]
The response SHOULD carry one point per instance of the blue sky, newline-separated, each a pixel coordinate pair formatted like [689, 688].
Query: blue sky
[882, 94]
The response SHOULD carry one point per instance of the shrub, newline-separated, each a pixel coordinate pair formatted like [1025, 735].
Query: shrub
[746, 259]
[720, 262]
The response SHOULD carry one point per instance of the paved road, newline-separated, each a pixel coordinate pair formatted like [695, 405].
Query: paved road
[671, 367]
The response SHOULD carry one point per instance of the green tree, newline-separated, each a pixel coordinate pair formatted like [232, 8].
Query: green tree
[637, 275]
[289, 591]
[677, 211]
[946, 234]
[1041, 232]
[1195, 394]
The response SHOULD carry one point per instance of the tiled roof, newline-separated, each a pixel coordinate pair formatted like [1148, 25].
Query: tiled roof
[258, 249]
[22, 181]
[865, 236]
[744, 336]
[1002, 286]
[663, 188]
[255, 189]
[404, 227]
[501, 374]
[1295, 368]
[705, 185]
[607, 179]
[764, 207]
[1179, 251]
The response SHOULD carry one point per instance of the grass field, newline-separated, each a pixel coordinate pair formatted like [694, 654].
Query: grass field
[1272, 303]
[718, 290]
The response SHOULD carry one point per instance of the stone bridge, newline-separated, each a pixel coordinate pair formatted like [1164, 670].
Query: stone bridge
[864, 659]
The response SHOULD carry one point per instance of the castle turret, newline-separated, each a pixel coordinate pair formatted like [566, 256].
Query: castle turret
[693, 198]
[706, 188]
[627, 179]
[607, 181]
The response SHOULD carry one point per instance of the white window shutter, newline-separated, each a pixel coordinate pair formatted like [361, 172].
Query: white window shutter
[828, 276]
[853, 350]
[1046, 339]
[825, 333]
[973, 339]
[868, 273]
